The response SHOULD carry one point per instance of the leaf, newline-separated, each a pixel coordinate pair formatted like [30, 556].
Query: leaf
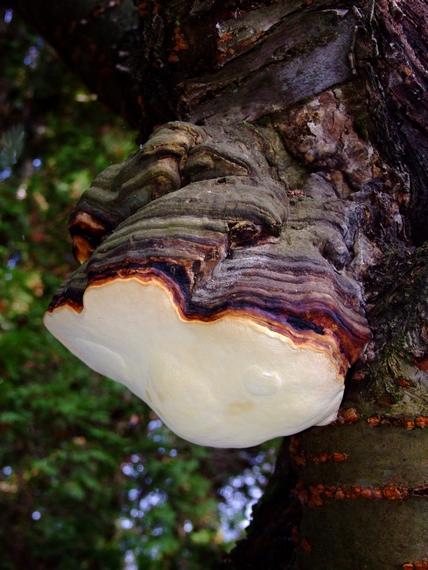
[13, 145]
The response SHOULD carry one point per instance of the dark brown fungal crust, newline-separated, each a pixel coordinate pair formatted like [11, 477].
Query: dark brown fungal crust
[122, 189]
[221, 243]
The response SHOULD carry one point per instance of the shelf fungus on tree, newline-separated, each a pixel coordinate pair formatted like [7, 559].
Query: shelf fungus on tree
[193, 294]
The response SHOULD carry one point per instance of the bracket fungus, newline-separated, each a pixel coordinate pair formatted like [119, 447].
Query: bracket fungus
[194, 294]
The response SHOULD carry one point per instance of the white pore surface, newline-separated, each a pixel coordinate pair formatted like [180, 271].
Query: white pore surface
[228, 383]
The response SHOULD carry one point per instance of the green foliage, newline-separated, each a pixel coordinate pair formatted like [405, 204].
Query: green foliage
[89, 476]
[13, 144]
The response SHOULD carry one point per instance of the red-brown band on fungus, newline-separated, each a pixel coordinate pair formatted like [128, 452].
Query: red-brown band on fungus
[86, 233]
[222, 364]
[229, 373]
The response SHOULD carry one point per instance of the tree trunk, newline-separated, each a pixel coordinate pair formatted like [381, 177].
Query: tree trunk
[342, 90]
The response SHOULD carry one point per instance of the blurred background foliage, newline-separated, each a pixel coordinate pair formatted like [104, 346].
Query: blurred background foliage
[89, 476]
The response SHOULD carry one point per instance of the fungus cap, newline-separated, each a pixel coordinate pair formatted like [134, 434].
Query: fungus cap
[228, 383]
[196, 293]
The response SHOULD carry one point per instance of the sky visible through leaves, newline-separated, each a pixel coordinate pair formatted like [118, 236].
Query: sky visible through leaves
[90, 478]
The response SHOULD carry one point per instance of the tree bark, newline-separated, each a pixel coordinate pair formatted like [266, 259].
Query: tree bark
[344, 87]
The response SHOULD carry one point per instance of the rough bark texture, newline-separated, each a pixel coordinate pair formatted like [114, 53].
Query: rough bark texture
[344, 86]
[214, 59]
[394, 56]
